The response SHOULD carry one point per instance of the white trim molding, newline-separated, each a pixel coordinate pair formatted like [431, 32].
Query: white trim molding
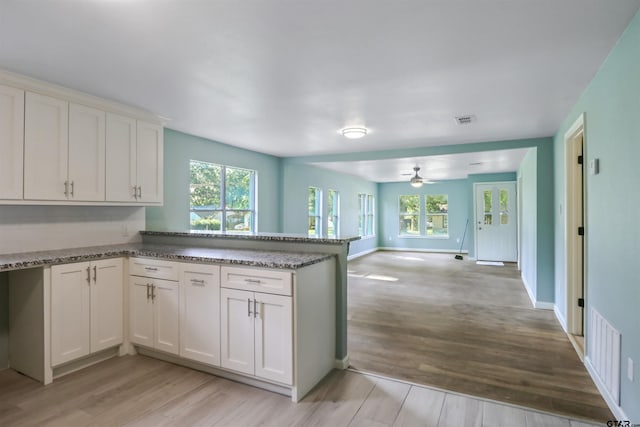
[542, 305]
[560, 317]
[442, 251]
[342, 364]
[617, 411]
[361, 254]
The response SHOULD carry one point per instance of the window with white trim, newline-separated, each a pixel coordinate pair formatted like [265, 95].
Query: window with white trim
[409, 210]
[437, 215]
[333, 217]
[366, 215]
[315, 212]
[222, 198]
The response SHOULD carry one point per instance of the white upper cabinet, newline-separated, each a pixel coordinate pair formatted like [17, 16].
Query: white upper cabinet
[121, 159]
[11, 142]
[86, 153]
[149, 161]
[134, 160]
[46, 146]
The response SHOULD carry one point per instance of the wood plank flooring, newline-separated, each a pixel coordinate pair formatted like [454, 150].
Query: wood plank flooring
[140, 391]
[433, 320]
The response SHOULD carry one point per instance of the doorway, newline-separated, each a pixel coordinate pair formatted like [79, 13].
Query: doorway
[575, 232]
[496, 232]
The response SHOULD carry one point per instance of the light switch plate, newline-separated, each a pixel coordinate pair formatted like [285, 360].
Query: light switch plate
[630, 368]
[594, 167]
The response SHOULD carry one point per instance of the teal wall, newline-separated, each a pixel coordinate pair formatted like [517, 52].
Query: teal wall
[611, 104]
[389, 221]
[4, 321]
[296, 180]
[180, 148]
[527, 179]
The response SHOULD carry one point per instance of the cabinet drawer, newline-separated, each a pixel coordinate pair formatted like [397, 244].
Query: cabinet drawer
[158, 269]
[257, 280]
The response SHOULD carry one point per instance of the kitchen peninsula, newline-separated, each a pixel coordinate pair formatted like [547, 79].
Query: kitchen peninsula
[266, 309]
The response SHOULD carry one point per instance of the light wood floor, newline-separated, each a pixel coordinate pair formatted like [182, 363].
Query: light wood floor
[140, 391]
[455, 325]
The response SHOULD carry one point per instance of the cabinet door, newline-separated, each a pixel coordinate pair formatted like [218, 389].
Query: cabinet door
[86, 153]
[149, 160]
[11, 140]
[121, 159]
[70, 312]
[236, 329]
[106, 304]
[46, 143]
[200, 313]
[166, 301]
[274, 338]
[140, 311]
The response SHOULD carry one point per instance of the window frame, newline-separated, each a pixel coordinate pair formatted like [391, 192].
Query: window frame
[317, 213]
[402, 214]
[366, 215]
[427, 214]
[333, 214]
[222, 208]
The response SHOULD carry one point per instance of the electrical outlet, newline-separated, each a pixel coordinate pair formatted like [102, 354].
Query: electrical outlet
[630, 369]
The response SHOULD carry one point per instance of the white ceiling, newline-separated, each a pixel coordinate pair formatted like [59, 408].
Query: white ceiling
[283, 76]
[433, 168]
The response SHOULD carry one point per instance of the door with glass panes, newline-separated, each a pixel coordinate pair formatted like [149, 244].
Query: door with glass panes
[495, 221]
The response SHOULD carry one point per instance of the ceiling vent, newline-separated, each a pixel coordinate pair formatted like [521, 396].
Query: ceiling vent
[465, 120]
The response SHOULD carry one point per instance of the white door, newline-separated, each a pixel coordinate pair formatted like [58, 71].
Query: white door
[86, 153]
[166, 318]
[140, 311]
[200, 313]
[274, 338]
[496, 222]
[46, 147]
[237, 330]
[11, 141]
[106, 304]
[70, 312]
[149, 159]
[120, 159]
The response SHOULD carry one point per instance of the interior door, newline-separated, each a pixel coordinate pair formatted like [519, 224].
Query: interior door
[496, 222]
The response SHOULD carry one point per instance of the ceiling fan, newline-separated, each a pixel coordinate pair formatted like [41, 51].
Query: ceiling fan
[416, 180]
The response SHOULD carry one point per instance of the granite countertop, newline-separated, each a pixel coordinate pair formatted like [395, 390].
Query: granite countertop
[249, 257]
[279, 237]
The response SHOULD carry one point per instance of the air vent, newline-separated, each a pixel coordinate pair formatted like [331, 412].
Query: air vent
[465, 120]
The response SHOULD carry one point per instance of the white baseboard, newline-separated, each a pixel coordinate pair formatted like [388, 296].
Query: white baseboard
[442, 251]
[360, 254]
[342, 363]
[542, 305]
[617, 411]
[560, 317]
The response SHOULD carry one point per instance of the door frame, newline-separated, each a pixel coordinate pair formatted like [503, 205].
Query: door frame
[475, 213]
[575, 216]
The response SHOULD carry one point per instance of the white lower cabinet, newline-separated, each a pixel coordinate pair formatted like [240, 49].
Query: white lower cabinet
[154, 315]
[86, 308]
[257, 334]
[200, 313]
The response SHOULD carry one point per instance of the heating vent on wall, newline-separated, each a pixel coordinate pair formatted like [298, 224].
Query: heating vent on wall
[604, 352]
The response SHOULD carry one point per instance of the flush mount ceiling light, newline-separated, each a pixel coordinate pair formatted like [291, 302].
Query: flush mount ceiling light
[354, 132]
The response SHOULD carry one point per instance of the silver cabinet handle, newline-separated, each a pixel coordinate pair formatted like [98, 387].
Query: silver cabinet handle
[153, 292]
[72, 188]
[151, 268]
[89, 275]
[135, 192]
[66, 189]
[139, 192]
[147, 291]
[198, 282]
[95, 274]
[252, 280]
[248, 307]
[255, 308]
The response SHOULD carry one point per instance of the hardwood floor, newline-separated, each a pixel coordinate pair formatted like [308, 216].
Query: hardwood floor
[140, 391]
[433, 320]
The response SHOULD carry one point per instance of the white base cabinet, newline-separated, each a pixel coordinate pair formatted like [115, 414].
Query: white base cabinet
[154, 311]
[86, 309]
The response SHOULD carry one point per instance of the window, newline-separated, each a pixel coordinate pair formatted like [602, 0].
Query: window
[333, 225]
[222, 198]
[366, 215]
[409, 215]
[437, 215]
[315, 216]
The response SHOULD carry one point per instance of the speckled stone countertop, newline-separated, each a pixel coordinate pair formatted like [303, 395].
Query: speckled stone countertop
[275, 237]
[256, 258]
